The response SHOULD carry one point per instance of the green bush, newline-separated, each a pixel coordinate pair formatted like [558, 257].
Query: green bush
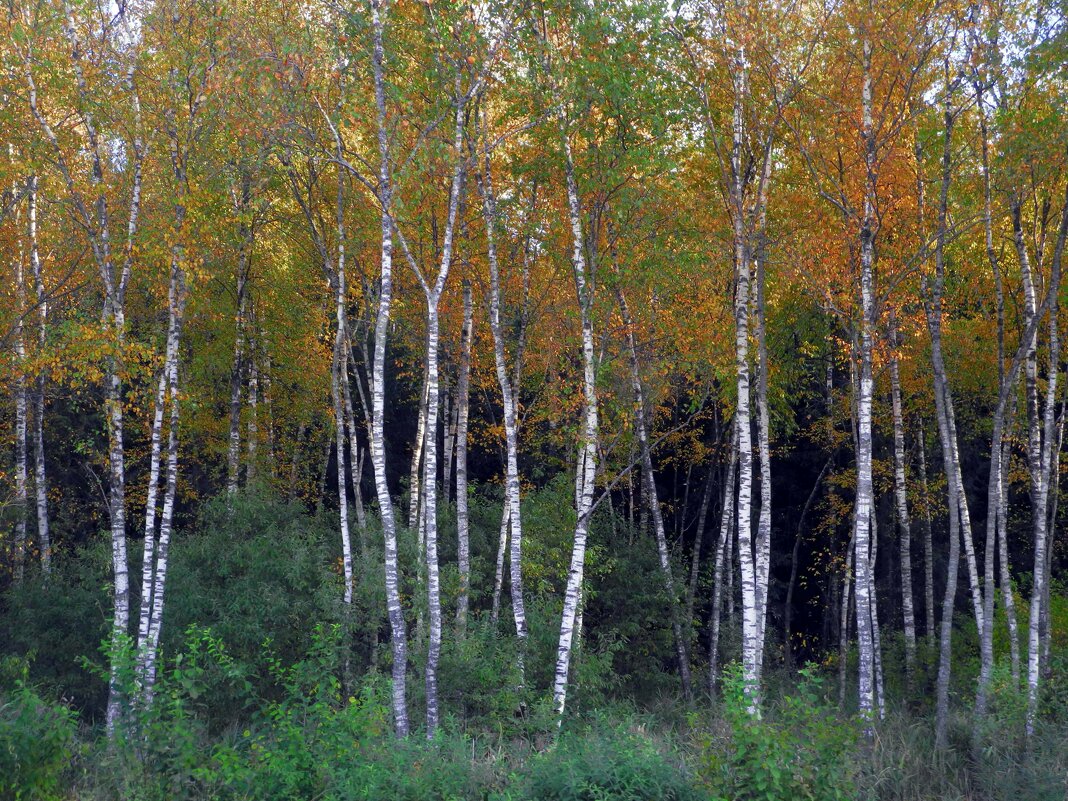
[800, 751]
[36, 744]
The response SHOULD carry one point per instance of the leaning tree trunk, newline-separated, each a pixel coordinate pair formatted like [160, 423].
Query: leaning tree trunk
[510, 407]
[151, 648]
[641, 430]
[958, 506]
[498, 576]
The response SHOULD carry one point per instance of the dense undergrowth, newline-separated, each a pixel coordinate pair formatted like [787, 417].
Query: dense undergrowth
[269, 691]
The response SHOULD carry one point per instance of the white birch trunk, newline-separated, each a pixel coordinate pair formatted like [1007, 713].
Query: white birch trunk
[510, 408]
[901, 504]
[378, 394]
[498, 576]
[590, 429]
[723, 561]
[1045, 478]
[233, 456]
[928, 547]
[44, 539]
[463, 541]
[863, 513]
[21, 396]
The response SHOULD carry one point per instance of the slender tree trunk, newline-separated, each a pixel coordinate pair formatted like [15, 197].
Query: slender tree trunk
[155, 561]
[253, 415]
[641, 431]
[876, 638]
[430, 500]
[355, 451]
[448, 447]
[843, 622]
[96, 220]
[463, 542]
[378, 386]
[763, 543]
[695, 554]
[751, 629]
[415, 486]
[44, 539]
[510, 408]
[498, 576]
[590, 429]
[167, 516]
[1008, 599]
[244, 252]
[1044, 474]
[901, 504]
[928, 548]
[21, 419]
[723, 560]
[862, 540]
[1053, 493]
[336, 377]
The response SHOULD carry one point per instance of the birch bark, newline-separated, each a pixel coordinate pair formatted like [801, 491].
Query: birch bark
[245, 234]
[901, 504]
[509, 403]
[21, 421]
[463, 540]
[40, 482]
[378, 380]
[591, 426]
[863, 512]
[723, 560]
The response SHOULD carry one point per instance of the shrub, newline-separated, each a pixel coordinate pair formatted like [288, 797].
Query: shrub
[802, 751]
[36, 744]
[597, 764]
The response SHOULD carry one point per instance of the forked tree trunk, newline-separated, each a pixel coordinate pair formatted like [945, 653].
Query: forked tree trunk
[1043, 478]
